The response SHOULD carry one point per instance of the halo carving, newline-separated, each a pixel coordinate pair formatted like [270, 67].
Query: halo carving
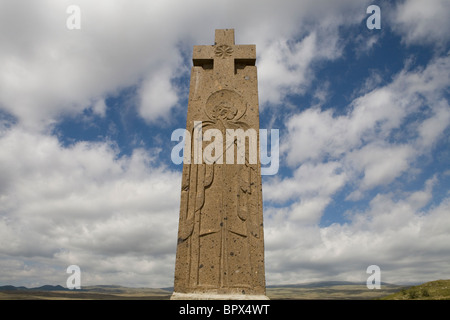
[226, 105]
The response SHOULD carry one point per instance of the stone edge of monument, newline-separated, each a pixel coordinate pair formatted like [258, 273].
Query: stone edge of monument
[213, 296]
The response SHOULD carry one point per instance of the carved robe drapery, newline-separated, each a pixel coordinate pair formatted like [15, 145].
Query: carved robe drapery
[217, 205]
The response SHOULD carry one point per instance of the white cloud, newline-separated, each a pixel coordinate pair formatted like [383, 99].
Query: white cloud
[431, 128]
[84, 205]
[48, 70]
[323, 179]
[395, 233]
[422, 22]
[158, 96]
[99, 108]
[360, 138]
[284, 67]
[306, 195]
[380, 163]
[365, 44]
[371, 145]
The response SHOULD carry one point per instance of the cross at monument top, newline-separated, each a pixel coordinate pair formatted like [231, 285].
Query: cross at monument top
[224, 37]
[224, 56]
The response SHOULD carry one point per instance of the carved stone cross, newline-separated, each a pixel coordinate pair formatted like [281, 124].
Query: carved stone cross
[220, 245]
[224, 56]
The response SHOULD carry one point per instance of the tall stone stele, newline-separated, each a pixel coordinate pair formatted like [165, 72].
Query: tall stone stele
[220, 249]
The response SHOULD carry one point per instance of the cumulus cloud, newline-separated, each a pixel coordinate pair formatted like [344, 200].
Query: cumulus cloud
[158, 96]
[380, 163]
[48, 70]
[85, 205]
[422, 22]
[285, 69]
[395, 233]
[285, 66]
[356, 152]
[362, 139]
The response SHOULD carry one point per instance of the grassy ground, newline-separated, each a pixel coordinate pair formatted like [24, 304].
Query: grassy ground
[337, 292]
[433, 290]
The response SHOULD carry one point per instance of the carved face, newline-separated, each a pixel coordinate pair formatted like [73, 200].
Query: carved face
[224, 110]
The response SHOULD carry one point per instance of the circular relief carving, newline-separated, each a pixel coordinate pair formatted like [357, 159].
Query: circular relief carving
[225, 105]
[223, 51]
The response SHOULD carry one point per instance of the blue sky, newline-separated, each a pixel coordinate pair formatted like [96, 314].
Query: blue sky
[86, 118]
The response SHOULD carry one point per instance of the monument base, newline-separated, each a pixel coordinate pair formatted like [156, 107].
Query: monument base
[216, 296]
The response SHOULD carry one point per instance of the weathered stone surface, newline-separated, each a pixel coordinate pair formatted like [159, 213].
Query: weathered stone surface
[220, 250]
[211, 296]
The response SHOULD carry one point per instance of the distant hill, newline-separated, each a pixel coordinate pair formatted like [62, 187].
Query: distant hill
[433, 290]
[41, 288]
[49, 288]
[11, 288]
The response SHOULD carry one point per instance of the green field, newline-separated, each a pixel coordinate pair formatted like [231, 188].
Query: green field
[433, 290]
[330, 292]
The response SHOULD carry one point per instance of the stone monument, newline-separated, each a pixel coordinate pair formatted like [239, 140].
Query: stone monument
[220, 248]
